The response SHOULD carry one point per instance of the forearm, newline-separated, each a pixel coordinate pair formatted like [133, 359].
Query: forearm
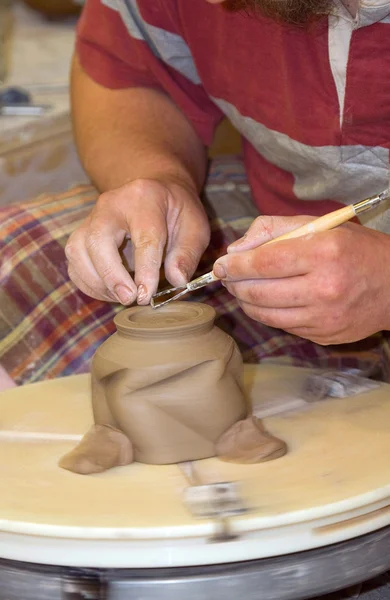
[135, 133]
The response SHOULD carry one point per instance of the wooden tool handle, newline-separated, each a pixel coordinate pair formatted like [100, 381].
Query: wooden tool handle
[324, 223]
[329, 221]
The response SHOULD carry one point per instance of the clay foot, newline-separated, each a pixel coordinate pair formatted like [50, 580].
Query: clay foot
[248, 442]
[102, 448]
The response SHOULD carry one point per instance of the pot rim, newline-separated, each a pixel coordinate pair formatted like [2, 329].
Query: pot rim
[178, 318]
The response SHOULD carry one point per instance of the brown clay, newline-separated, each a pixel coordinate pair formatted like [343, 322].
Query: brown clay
[166, 388]
[102, 448]
[169, 380]
[249, 442]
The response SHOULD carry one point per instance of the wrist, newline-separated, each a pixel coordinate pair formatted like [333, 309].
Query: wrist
[163, 170]
[175, 178]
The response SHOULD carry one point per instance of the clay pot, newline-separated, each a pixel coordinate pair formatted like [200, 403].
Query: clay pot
[166, 388]
[170, 381]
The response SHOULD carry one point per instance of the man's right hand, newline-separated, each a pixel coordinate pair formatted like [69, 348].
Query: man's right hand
[164, 221]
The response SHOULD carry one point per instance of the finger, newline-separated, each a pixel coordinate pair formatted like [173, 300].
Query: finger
[103, 236]
[265, 229]
[188, 239]
[82, 272]
[126, 252]
[183, 259]
[291, 292]
[288, 258]
[87, 290]
[149, 235]
[279, 318]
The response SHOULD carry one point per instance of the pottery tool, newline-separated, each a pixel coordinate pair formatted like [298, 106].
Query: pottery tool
[324, 223]
[336, 384]
[16, 102]
[217, 501]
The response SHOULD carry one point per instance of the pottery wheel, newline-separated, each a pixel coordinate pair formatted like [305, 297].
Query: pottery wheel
[331, 493]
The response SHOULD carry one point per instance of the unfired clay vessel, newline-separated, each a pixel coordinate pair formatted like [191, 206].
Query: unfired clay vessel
[166, 388]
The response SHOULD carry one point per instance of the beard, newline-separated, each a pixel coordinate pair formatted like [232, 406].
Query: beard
[296, 12]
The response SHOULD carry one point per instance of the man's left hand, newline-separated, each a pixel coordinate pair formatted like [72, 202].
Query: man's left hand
[331, 287]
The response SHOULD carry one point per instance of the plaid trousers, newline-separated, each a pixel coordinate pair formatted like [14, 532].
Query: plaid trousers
[48, 328]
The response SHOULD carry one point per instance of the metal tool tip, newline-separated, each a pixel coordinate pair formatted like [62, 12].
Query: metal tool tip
[182, 290]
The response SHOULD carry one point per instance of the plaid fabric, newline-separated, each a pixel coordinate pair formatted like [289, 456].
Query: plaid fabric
[50, 329]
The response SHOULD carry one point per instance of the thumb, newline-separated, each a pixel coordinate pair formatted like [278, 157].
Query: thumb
[267, 228]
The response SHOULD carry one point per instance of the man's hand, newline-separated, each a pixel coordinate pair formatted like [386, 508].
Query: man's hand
[330, 287]
[157, 217]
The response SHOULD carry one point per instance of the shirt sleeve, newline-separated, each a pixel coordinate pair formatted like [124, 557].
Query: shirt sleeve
[138, 44]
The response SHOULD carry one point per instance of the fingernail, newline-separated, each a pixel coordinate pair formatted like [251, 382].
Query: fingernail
[219, 270]
[184, 272]
[142, 293]
[124, 295]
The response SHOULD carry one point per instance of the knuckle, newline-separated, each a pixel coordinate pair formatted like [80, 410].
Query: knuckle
[73, 244]
[257, 262]
[106, 272]
[103, 206]
[70, 250]
[236, 265]
[332, 288]
[264, 262]
[140, 188]
[263, 225]
[105, 200]
[332, 247]
[152, 238]
[108, 208]
[92, 239]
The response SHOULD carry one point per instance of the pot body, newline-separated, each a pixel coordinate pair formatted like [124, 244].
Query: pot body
[173, 387]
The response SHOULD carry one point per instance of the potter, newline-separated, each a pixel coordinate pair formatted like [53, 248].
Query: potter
[279, 71]
[166, 388]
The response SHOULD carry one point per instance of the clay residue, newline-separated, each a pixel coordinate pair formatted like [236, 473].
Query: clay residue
[102, 448]
[249, 442]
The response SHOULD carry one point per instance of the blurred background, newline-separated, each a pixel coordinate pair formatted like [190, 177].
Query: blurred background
[37, 154]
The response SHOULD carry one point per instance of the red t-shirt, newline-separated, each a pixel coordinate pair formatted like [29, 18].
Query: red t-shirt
[313, 106]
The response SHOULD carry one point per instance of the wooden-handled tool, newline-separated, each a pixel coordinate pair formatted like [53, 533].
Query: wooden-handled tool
[324, 223]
